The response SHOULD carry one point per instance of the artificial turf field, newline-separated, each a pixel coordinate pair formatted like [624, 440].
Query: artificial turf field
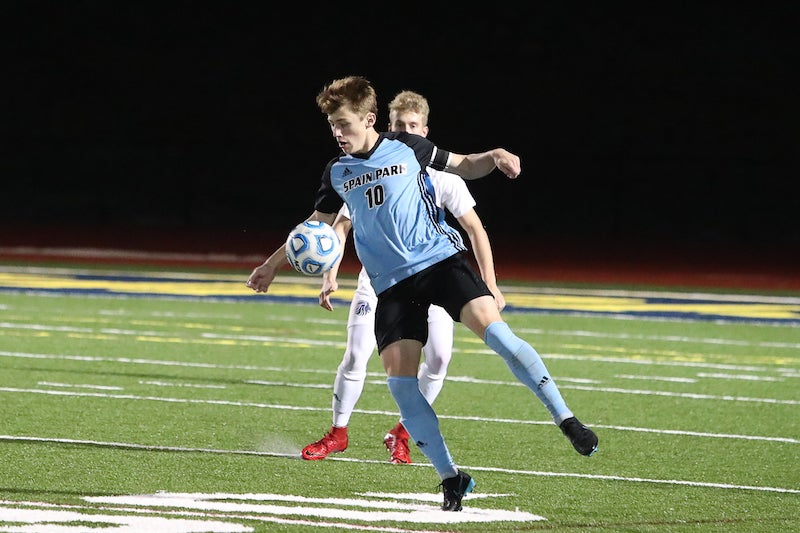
[174, 401]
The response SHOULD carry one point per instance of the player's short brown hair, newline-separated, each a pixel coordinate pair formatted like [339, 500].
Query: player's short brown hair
[355, 92]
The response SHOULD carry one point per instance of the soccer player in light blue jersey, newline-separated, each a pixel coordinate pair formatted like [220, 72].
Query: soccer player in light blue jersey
[409, 112]
[415, 259]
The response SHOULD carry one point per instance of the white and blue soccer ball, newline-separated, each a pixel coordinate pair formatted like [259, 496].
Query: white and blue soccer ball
[313, 247]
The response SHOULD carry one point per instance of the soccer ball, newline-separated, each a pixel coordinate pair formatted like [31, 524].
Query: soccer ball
[313, 247]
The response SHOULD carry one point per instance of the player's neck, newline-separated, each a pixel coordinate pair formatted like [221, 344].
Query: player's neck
[369, 142]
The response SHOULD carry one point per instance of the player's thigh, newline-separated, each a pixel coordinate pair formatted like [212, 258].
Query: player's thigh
[478, 313]
[361, 342]
[402, 357]
[439, 317]
[362, 308]
[439, 348]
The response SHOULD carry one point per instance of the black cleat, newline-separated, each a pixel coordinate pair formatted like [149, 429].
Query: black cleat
[582, 438]
[454, 489]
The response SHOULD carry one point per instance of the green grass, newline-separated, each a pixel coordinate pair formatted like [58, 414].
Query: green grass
[105, 393]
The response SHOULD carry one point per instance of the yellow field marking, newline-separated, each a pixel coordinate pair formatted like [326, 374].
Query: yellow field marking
[587, 303]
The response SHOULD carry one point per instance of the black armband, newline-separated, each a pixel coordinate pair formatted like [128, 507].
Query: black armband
[439, 159]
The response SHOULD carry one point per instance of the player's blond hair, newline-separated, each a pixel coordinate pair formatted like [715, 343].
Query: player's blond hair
[410, 101]
[355, 92]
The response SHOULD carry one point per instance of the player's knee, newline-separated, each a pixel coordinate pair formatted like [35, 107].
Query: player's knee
[352, 368]
[353, 375]
[435, 369]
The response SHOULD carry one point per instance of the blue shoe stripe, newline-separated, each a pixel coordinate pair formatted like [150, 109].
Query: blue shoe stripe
[470, 486]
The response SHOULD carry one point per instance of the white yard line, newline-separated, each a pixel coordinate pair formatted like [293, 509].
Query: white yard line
[259, 405]
[540, 473]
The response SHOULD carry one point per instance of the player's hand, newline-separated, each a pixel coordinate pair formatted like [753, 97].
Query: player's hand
[261, 278]
[499, 299]
[507, 163]
[329, 286]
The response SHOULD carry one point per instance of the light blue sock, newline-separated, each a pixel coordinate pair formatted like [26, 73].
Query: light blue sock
[528, 367]
[420, 420]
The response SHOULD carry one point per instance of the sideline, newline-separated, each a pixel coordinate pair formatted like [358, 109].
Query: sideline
[667, 305]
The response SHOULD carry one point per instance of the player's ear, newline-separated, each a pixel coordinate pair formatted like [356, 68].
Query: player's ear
[370, 119]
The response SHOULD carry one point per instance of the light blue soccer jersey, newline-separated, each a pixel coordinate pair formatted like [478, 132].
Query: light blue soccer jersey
[399, 227]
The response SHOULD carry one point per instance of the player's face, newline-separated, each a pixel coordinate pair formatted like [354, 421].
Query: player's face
[408, 121]
[351, 130]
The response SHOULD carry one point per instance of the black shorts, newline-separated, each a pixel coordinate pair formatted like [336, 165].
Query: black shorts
[402, 311]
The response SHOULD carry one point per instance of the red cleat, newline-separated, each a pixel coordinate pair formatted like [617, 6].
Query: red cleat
[396, 442]
[334, 441]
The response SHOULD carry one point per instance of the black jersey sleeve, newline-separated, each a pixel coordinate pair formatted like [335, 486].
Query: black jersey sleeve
[327, 199]
[427, 153]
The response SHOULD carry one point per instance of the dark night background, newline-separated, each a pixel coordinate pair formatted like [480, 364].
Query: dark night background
[638, 126]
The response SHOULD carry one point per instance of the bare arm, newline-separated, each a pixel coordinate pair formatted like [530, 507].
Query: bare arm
[341, 226]
[263, 275]
[483, 253]
[474, 166]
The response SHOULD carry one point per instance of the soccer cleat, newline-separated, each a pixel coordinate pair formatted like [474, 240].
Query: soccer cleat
[333, 441]
[582, 438]
[454, 489]
[396, 442]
